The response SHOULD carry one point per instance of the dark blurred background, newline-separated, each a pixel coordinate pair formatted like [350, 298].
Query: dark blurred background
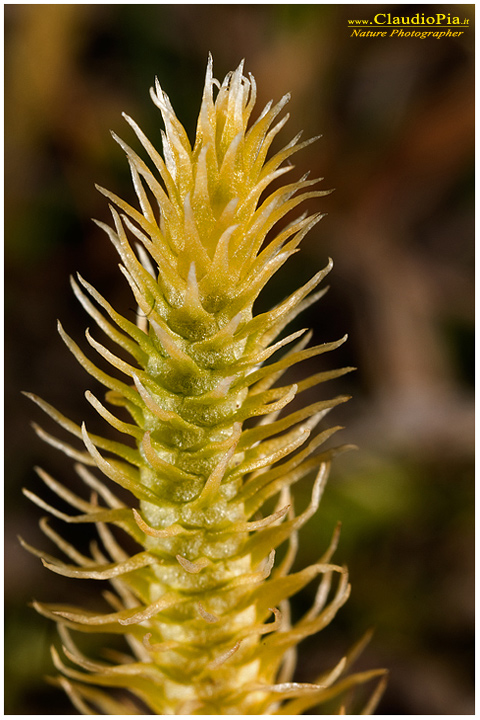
[398, 138]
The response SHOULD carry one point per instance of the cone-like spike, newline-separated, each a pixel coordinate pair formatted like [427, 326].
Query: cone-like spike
[195, 599]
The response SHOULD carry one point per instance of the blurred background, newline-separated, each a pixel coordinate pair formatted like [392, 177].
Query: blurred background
[396, 117]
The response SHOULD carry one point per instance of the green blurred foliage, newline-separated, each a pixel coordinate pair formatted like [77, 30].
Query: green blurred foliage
[397, 124]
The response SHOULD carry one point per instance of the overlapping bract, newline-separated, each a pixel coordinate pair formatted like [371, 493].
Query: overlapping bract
[202, 603]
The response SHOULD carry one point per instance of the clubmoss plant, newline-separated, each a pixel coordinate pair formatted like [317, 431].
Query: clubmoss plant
[202, 602]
